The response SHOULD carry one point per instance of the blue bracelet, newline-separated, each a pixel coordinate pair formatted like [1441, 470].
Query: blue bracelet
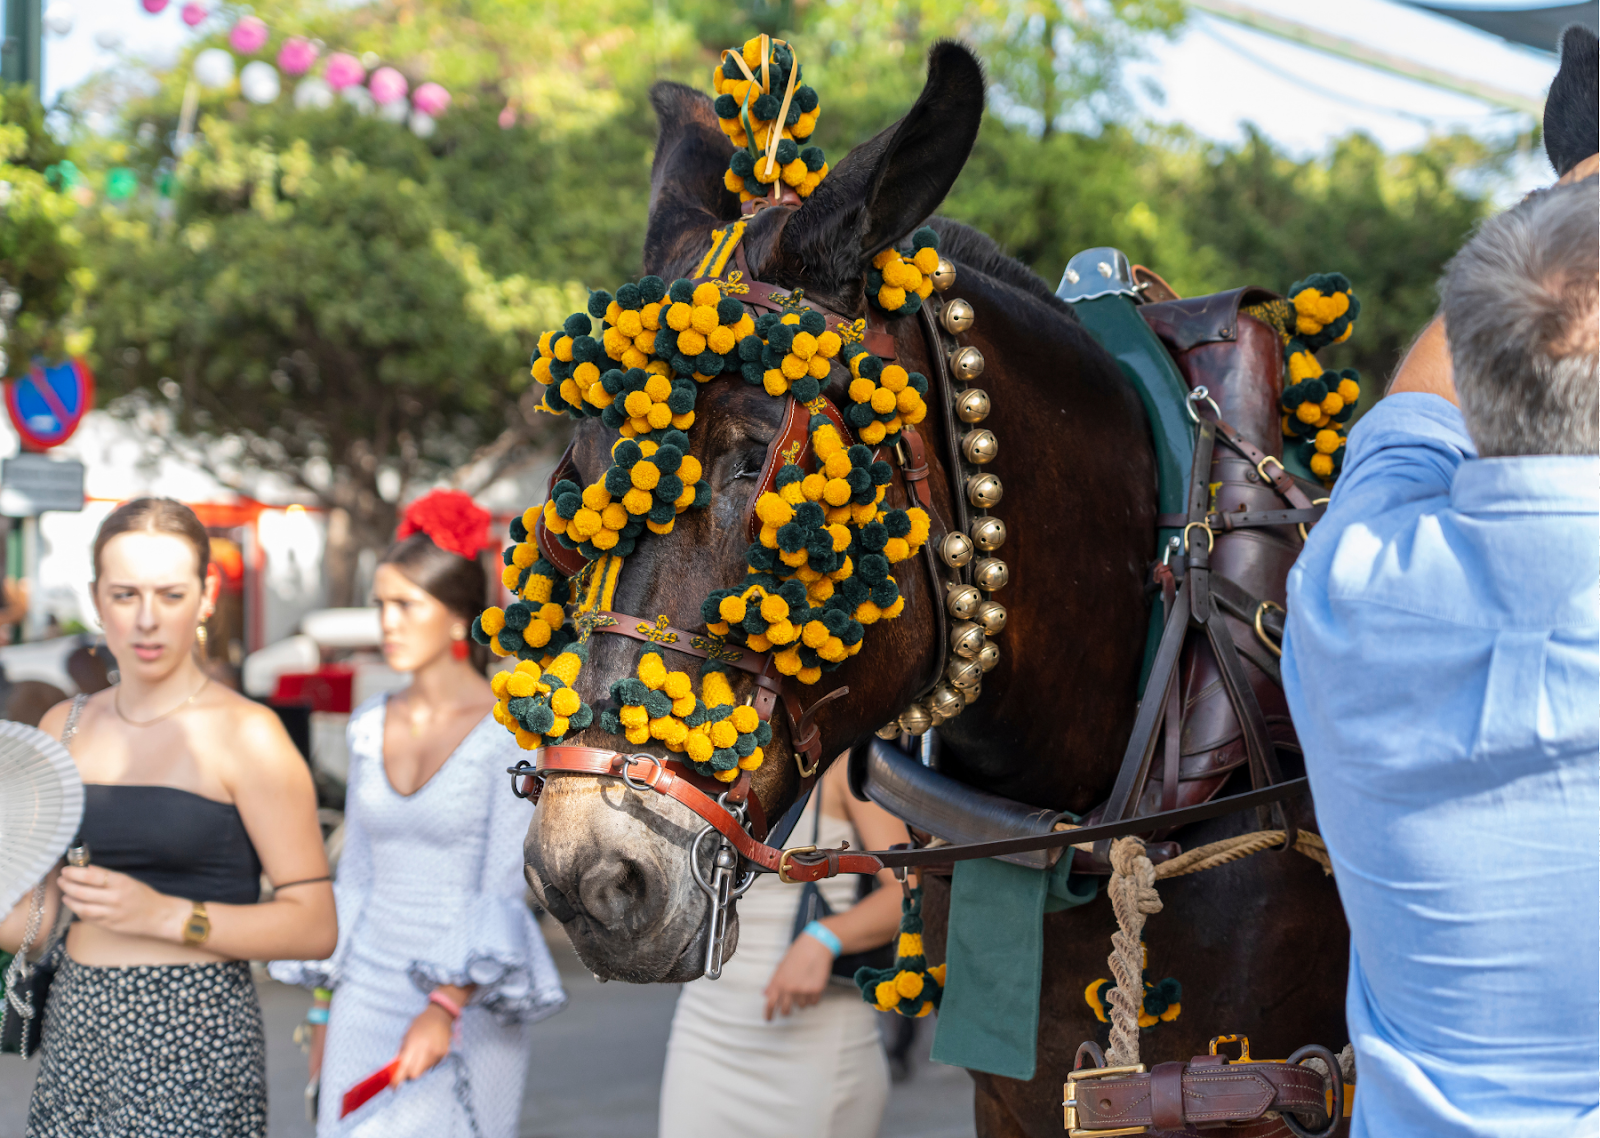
[821, 932]
[317, 1015]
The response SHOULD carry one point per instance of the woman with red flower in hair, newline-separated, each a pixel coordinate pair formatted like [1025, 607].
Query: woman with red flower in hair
[439, 964]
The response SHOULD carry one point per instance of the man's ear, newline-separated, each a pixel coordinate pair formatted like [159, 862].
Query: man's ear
[887, 186]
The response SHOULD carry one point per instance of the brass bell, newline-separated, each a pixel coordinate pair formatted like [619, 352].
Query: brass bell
[945, 701]
[962, 601]
[966, 639]
[915, 719]
[990, 574]
[980, 446]
[970, 696]
[957, 316]
[945, 275]
[973, 406]
[964, 674]
[956, 549]
[988, 533]
[991, 615]
[983, 490]
[988, 655]
[966, 364]
[889, 731]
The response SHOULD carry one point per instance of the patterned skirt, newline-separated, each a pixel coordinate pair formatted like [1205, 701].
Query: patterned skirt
[174, 1050]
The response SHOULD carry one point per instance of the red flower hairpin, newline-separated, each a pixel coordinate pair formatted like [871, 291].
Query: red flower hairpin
[451, 519]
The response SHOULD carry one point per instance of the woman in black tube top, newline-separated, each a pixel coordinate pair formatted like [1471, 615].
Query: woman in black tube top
[191, 792]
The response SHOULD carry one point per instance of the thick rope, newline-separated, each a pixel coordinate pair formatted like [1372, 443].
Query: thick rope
[1133, 897]
[1233, 849]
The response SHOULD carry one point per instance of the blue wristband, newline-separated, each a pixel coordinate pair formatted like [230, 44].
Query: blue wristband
[820, 932]
[317, 1016]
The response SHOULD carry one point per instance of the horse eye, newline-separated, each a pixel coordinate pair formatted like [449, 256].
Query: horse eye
[749, 464]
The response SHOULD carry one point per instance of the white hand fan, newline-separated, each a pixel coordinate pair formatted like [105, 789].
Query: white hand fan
[41, 805]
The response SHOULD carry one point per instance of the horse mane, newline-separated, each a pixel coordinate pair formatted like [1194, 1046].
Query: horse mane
[979, 251]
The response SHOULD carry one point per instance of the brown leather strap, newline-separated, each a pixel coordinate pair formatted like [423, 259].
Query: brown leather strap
[916, 466]
[791, 445]
[568, 561]
[1248, 519]
[1268, 466]
[1202, 1093]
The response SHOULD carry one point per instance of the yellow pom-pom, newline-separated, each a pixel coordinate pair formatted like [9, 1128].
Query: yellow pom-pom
[605, 539]
[552, 614]
[937, 972]
[528, 741]
[679, 315]
[493, 619]
[774, 382]
[873, 433]
[891, 299]
[520, 685]
[1327, 441]
[744, 719]
[910, 944]
[883, 401]
[909, 985]
[1332, 404]
[752, 761]
[828, 344]
[887, 994]
[652, 672]
[645, 474]
[1321, 465]
[564, 701]
[726, 776]
[563, 349]
[699, 747]
[1349, 391]
[926, 260]
[707, 295]
[1308, 412]
[732, 609]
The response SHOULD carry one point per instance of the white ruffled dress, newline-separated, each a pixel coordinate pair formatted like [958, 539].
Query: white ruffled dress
[430, 891]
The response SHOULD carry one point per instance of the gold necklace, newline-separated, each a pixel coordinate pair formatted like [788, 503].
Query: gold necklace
[117, 705]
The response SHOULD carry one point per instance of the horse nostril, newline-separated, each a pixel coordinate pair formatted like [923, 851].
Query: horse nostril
[615, 892]
[556, 903]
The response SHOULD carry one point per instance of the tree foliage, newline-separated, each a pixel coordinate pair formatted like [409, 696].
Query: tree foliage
[349, 299]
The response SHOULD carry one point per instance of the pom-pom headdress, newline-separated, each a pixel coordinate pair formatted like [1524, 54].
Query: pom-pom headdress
[452, 521]
[757, 85]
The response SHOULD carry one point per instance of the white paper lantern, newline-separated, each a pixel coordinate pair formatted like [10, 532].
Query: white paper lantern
[313, 94]
[58, 18]
[395, 112]
[108, 39]
[259, 82]
[422, 125]
[213, 68]
[359, 98]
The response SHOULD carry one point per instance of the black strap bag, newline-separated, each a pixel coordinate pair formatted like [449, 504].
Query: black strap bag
[27, 984]
[814, 906]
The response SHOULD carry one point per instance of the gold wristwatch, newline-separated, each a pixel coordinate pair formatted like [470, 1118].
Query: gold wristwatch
[198, 927]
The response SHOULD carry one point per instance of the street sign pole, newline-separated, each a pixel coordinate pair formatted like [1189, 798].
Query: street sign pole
[22, 52]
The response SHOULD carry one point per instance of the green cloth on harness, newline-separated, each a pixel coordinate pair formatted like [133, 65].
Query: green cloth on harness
[989, 1018]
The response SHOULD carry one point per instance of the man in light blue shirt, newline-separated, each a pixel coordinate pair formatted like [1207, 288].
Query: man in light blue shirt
[1442, 664]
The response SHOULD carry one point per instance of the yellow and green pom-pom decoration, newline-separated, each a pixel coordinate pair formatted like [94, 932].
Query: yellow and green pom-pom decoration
[1163, 999]
[757, 85]
[1317, 404]
[908, 987]
[718, 736]
[898, 283]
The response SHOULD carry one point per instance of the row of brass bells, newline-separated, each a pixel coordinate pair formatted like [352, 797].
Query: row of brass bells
[966, 364]
[944, 277]
[957, 316]
[956, 549]
[983, 490]
[915, 720]
[980, 447]
[889, 731]
[964, 674]
[973, 406]
[988, 533]
[944, 703]
[990, 616]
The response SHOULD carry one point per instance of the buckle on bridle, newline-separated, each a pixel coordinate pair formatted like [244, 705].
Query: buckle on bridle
[783, 863]
[628, 779]
[1071, 1102]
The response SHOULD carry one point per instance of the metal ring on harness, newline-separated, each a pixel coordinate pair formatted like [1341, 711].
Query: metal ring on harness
[641, 786]
[1211, 538]
[1335, 1080]
[1195, 396]
[1265, 477]
[524, 770]
[1305, 537]
[1261, 633]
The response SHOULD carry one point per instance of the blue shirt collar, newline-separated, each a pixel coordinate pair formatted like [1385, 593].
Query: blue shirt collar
[1535, 484]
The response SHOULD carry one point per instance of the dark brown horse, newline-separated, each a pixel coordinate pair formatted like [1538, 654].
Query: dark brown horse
[1259, 946]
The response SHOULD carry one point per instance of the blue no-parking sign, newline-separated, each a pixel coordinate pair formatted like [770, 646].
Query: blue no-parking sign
[48, 403]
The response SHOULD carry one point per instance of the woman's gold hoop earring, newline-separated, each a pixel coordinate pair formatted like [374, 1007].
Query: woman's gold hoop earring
[200, 637]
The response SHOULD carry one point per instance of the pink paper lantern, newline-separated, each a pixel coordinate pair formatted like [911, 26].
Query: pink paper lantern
[194, 13]
[508, 117]
[249, 35]
[154, 6]
[430, 99]
[387, 85]
[343, 70]
[296, 55]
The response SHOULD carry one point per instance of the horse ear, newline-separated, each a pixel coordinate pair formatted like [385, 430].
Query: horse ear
[1571, 130]
[686, 190]
[887, 186]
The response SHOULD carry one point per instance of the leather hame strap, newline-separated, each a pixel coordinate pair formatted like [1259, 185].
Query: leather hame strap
[1206, 1091]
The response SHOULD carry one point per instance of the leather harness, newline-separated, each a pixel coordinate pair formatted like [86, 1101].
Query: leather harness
[1195, 601]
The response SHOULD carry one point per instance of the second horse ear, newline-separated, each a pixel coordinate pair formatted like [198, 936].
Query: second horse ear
[892, 183]
[686, 187]
[1571, 126]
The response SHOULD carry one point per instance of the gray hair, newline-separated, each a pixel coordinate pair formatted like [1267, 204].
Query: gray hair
[1520, 315]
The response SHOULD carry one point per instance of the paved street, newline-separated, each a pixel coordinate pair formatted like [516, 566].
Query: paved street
[596, 1069]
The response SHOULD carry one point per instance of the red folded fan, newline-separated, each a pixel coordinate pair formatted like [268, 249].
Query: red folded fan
[363, 1091]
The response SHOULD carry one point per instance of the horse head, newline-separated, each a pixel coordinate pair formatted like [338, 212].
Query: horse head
[618, 867]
